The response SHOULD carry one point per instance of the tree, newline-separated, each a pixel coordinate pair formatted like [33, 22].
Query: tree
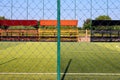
[2, 17]
[87, 24]
[79, 28]
[103, 17]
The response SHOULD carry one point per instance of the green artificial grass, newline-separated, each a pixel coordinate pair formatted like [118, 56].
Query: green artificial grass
[90, 58]
[27, 57]
[41, 57]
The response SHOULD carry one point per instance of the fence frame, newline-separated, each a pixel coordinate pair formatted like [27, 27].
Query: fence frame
[58, 40]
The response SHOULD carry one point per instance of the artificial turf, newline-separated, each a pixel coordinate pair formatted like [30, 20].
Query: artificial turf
[90, 58]
[41, 57]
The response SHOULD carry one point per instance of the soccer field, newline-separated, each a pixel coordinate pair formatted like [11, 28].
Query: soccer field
[27, 60]
[80, 61]
[83, 60]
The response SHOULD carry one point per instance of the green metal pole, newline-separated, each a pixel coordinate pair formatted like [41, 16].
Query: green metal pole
[58, 39]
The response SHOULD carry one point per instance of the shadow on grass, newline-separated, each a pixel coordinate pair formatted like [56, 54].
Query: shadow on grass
[8, 61]
[67, 67]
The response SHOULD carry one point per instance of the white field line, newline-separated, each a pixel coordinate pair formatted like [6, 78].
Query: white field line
[4, 73]
[89, 74]
[92, 51]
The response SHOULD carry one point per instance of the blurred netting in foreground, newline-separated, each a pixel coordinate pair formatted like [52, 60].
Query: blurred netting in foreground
[99, 59]
[29, 51]
[22, 55]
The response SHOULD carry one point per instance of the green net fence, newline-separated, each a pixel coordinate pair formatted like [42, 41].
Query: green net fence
[59, 40]
[95, 55]
[27, 51]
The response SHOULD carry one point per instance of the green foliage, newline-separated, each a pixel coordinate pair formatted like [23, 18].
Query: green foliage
[87, 24]
[103, 17]
[79, 28]
[107, 28]
[21, 27]
[115, 27]
[2, 17]
[4, 27]
[37, 26]
[54, 27]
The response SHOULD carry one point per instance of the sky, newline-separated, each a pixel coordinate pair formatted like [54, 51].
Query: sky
[70, 9]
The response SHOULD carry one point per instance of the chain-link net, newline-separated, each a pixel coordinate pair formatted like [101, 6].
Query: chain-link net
[95, 55]
[89, 34]
[26, 50]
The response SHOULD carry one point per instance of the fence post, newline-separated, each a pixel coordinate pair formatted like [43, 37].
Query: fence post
[86, 35]
[58, 39]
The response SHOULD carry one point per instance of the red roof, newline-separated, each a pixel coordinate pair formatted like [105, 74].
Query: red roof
[62, 22]
[18, 22]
